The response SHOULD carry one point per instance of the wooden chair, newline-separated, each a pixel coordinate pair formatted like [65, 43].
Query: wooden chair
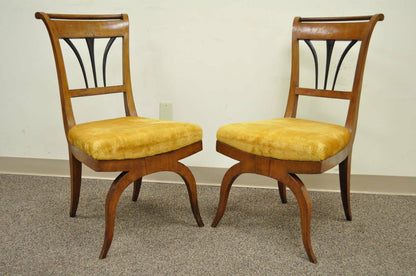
[133, 145]
[281, 148]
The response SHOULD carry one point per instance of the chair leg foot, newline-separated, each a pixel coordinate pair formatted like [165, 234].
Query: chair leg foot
[220, 212]
[136, 189]
[302, 196]
[76, 171]
[106, 246]
[344, 179]
[190, 183]
[226, 184]
[282, 191]
[113, 195]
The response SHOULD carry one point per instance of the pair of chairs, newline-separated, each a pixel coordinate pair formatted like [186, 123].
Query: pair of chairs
[136, 146]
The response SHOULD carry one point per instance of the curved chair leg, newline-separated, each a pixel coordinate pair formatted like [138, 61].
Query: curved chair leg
[344, 179]
[282, 191]
[136, 189]
[227, 181]
[76, 171]
[302, 196]
[113, 195]
[189, 180]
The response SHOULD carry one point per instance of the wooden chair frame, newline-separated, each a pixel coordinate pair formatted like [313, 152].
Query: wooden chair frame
[66, 26]
[357, 28]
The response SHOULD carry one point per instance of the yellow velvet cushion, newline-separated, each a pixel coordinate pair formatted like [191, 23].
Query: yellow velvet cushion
[286, 138]
[132, 137]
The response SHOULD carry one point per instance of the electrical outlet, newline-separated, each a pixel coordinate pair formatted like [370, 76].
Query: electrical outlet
[166, 111]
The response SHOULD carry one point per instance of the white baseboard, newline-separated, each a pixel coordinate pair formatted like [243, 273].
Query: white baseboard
[398, 185]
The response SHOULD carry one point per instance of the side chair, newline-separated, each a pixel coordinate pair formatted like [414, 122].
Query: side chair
[132, 145]
[281, 148]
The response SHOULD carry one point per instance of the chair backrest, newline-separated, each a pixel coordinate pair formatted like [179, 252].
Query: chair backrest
[65, 29]
[331, 29]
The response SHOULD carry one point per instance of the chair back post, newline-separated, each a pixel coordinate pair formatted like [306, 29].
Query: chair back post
[352, 116]
[331, 29]
[68, 26]
[129, 105]
[66, 106]
[292, 102]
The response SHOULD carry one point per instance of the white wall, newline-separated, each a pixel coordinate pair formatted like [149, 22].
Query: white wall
[217, 62]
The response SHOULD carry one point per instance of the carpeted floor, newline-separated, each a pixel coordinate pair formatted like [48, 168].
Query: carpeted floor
[157, 235]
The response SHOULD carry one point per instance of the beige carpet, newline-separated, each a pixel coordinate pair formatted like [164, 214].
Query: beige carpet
[157, 235]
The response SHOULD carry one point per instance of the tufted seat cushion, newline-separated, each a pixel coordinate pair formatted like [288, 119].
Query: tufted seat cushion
[132, 137]
[286, 138]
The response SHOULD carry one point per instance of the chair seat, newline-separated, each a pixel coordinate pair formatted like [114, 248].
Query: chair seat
[132, 137]
[286, 138]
